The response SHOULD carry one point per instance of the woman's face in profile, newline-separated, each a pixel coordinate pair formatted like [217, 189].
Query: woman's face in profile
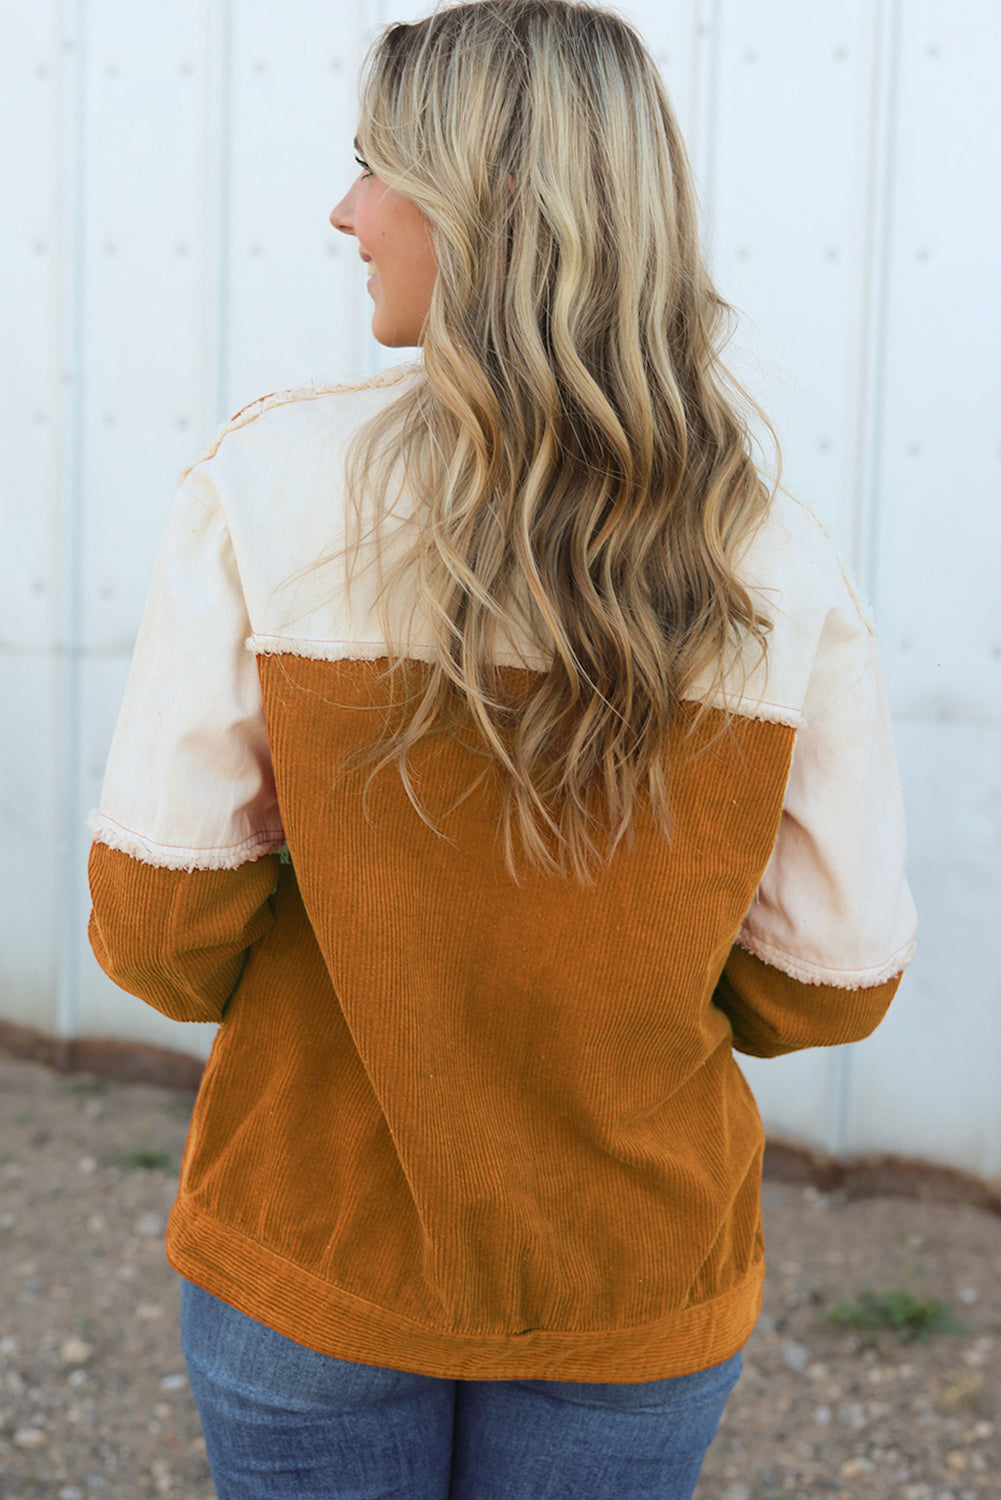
[394, 239]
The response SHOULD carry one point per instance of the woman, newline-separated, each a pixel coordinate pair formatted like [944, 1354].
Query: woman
[577, 739]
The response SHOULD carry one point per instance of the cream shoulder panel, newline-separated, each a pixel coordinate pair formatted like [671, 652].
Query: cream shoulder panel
[255, 553]
[390, 377]
[279, 477]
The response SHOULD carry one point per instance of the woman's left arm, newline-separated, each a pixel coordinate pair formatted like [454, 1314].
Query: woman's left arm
[821, 951]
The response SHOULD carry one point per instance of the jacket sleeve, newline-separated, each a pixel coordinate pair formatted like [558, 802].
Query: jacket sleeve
[772, 1013]
[179, 939]
[180, 878]
[821, 950]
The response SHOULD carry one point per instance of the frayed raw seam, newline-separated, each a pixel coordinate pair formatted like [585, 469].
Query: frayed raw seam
[317, 650]
[106, 831]
[758, 709]
[838, 979]
[327, 650]
[254, 409]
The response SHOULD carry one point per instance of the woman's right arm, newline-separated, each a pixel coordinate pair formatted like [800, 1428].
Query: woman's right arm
[178, 939]
[182, 869]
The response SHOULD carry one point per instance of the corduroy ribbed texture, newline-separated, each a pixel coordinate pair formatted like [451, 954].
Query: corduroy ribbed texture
[179, 944]
[461, 1125]
[772, 1013]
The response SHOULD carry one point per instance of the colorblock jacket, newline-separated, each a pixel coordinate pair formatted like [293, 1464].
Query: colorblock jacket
[453, 1123]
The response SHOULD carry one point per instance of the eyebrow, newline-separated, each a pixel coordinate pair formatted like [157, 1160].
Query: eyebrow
[357, 145]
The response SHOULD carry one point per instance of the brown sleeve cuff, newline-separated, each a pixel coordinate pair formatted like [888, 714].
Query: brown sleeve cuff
[177, 938]
[772, 1013]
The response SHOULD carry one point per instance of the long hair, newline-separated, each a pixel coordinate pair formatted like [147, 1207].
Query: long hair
[579, 461]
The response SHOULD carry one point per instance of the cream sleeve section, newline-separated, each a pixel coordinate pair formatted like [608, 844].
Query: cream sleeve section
[833, 906]
[189, 783]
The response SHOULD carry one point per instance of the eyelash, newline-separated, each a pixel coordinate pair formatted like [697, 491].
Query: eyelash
[366, 169]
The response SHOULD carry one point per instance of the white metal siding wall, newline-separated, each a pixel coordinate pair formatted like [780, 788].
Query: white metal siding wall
[168, 259]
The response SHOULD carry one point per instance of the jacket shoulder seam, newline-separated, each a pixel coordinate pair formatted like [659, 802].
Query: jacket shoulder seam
[863, 605]
[254, 409]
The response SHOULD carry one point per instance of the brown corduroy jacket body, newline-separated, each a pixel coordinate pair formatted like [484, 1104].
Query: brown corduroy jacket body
[453, 1122]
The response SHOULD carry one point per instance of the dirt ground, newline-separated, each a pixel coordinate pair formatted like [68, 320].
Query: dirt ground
[94, 1402]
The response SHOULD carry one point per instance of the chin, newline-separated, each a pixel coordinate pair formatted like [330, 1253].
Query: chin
[392, 338]
[395, 332]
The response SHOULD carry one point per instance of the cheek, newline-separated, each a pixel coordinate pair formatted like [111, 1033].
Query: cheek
[369, 215]
[363, 225]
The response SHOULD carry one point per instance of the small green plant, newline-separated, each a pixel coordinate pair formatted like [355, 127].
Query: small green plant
[905, 1315]
[141, 1159]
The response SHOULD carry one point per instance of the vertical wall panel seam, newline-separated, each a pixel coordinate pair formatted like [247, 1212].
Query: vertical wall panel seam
[73, 159]
[221, 176]
[705, 88]
[881, 121]
[874, 321]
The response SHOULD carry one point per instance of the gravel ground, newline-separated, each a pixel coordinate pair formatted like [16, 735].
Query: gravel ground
[94, 1401]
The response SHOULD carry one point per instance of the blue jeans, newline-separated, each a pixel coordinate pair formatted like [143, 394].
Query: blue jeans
[281, 1420]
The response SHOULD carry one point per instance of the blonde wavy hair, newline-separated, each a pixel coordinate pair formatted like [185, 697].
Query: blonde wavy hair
[579, 458]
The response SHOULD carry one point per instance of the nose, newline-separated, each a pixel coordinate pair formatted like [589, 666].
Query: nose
[342, 215]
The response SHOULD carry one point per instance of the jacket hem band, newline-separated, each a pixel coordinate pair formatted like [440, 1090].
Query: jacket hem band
[311, 1311]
